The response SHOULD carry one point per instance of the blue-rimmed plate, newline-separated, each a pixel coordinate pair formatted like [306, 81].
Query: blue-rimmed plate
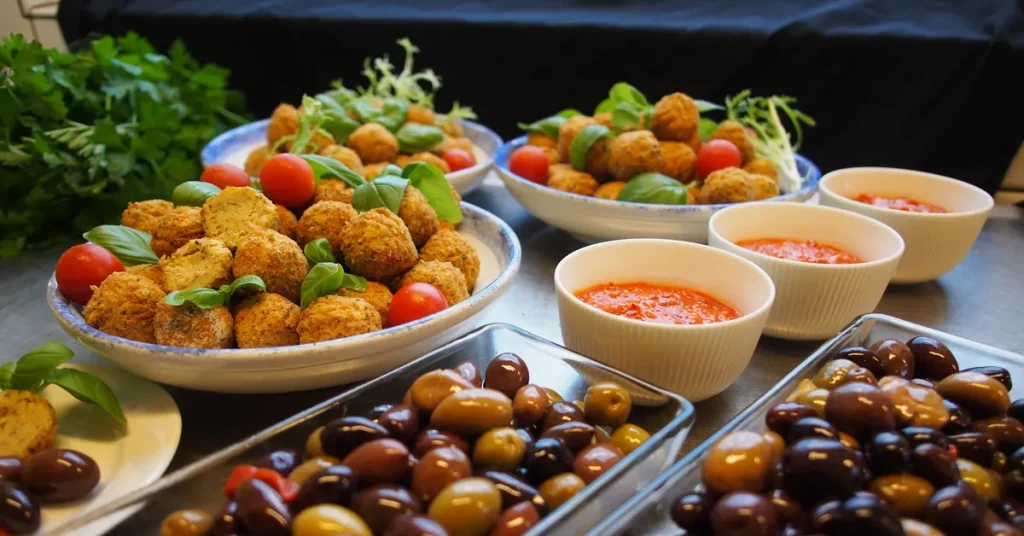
[235, 145]
[591, 219]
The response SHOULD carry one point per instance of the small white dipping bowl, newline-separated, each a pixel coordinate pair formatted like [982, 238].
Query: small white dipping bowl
[814, 301]
[697, 361]
[935, 243]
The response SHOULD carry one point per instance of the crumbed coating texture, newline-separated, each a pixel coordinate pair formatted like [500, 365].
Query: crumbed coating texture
[377, 245]
[372, 171]
[28, 424]
[417, 214]
[333, 190]
[693, 193]
[267, 320]
[257, 157]
[764, 186]
[286, 221]
[283, 122]
[695, 142]
[344, 155]
[442, 275]
[454, 143]
[235, 213]
[736, 133]
[276, 259]
[547, 144]
[568, 131]
[325, 219]
[456, 196]
[675, 117]
[452, 127]
[610, 190]
[762, 166]
[420, 114]
[572, 181]
[337, 317]
[597, 160]
[633, 153]
[123, 306]
[146, 215]
[176, 229]
[189, 326]
[201, 263]
[152, 272]
[729, 185]
[604, 118]
[428, 158]
[373, 143]
[677, 160]
[376, 294]
[555, 169]
[450, 246]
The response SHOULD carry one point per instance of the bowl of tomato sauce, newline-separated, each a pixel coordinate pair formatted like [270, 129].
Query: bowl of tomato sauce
[938, 217]
[683, 316]
[829, 265]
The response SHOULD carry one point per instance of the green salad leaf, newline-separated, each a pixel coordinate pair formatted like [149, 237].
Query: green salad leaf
[328, 168]
[317, 251]
[193, 193]
[384, 191]
[130, 246]
[654, 188]
[549, 125]
[771, 139]
[325, 279]
[414, 138]
[582, 143]
[208, 298]
[431, 181]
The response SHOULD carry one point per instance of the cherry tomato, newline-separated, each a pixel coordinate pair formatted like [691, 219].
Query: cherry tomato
[83, 266]
[459, 159]
[288, 180]
[223, 175]
[715, 155]
[415, 301]
[530, 163]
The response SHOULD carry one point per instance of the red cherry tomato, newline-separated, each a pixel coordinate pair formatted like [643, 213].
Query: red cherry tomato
[530, 163]
[459, 159]
[715, 155]
[223, 175]
[83, 266]
[288, 180]
[415, 301]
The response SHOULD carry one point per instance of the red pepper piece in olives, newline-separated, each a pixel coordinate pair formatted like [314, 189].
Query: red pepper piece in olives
[341, 436]
[471, 373]
[415, 525]
[19, 512]
[59, 475]
[932, 359]
[516, 520]
[226, 522]
[575, 434]
[888, 453]
[934, 464]
[743, 513]
[261, 509]
[692, 513]
[955, 510]
[401, 421]
[560, 413]
[959, 418]
[10, 468]
[866, 513]
[811, 427]
[1007, 431]
[380, 505]
[334, 484]
[817, 468]
[864, 358]
[861, 410]
[547, 457]
[284, 461]
[918, 435]
[507, 373]
[975, 446]
[896, 358]
[432, 438]
[999, 374]
[781, 416]
[514, 491]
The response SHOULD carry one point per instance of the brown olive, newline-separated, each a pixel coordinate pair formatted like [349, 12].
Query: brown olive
[283, 461]
[1013, 484]
[915, 405]
[59, 475]
[959, 419]
[341, 436]
[507, 373]
[1007, 431]
[935, 464]
[999, 374]
[500, 448]
[333, 484]
[913, 527]
[468, 507]
[862, 357]
[787, 510]
[743, 513]
[817, 399]
[379, 505]
[905, 493]
[781, 416]
[553, 395]
[866, 513]
[825, 516]
[379, 461]
[261, 509]
[19, 511]
[841, 371]
[932, 359]
[415, 525]
[514, 491]
[998, 462]
[547, 457]
[999, 528]
[575, 434]
[401, 421]
[607, 404]
[473, 411]
[977, 447]
[560, 488]
[377, 411]
[471, 373]
[192, 522]
[529, 404]
[849, 440]
[985, 484]
[811, 427]
[805, 386]
[224, 521]
[432, 438]
[692, 513]
[10, 468]
[955, 510]
[1016, 410]
[310, 467]
[628, 437]
[329, 520]
[314, 447]
[594, 460]
[979, 394]
[561, 412]
[740, 461]
[817, 468]
[896, 357]
[430, 389]
[580, 404]
[923, 383]
[888, 453]
[861, 410]
[527, 436]
[516, 520]
[437, 469]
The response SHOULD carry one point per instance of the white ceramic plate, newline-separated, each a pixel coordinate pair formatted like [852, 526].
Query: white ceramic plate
[129, 460]
[235, 145]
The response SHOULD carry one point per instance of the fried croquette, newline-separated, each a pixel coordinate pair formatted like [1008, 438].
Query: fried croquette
[276, 259]
[736, 133]
[572, 181]
[417, 214]
[695, 142]
[257, 157]
[450, 246]
[633, 153]
[235, 213]
[283, 122]
[28, 425]
[152, 272]
[124, 305]
[377, 245]
[568, 131]
[610, 190]
[677, 160]
[762, 166]
[286, 221]
[376, 294]
[373, 143]
[675, 118]
[200, 263]
[452, 127]
[345, 156]
[266, 320]
[454, 143]
[428, 158]
[547, 144]
[420, 114]
[325, 219]
[332, 190]
[442, 275]
[729, 185]
[693, 193]
[604, 118]
[176, 229]
[337, 317]
[372, 171]
[146, 215]
[189, 326]
[764, 186]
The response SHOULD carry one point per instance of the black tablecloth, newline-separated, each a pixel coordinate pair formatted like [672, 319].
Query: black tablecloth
[923, 84]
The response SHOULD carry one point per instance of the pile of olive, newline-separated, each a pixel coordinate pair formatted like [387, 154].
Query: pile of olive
[888, 440]
[463, 454]
[50, 476]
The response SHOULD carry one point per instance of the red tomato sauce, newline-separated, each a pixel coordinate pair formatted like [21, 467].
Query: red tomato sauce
[800, 250]
[661, 304]
[906, 204]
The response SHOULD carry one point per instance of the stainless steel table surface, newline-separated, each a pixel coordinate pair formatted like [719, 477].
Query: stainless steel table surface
[982, 299]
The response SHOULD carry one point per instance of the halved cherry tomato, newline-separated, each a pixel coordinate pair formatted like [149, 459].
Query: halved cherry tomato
[288, 180]
[459, 159]
[223, 175]
[415, 301]
[530, 163]
[82, 267]
[715, 155]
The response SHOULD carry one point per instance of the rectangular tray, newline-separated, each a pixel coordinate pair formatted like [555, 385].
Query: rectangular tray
[647, 512]
[666, 415]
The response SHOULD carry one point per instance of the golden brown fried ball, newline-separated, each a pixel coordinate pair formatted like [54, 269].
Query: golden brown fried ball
[442, 275]
[762, 166]
[764, 186]
[276, 259]
[610, 190]
[693, 193]
[675, 117]
[188, 326]
[695, 142]
[572, 181]
[729, 185]
[417, 214]
[235, 213]
[373, 143]
[345, 156]
[452, 127]
[450, 246]
[267, 320]
[372, 171]
[152, 272]
[176, 229]
[325, 219]
[420, 114]
[454, 143]
[735, 132]
[456, 196]
[376, 294]
[604, 118]
[633, 153]
[286, 221]
[333, 190]
[257, 157]
[597, 159]
[200, 263]
[123, 306]
[146, 215]
[429, 158]
[377, 245]
[555, 169]
[337, 317]
[677, 160]
[547, 144]
[568, 131]
[283, 122]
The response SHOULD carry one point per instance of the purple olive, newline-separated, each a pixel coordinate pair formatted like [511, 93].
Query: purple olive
[19, 512]
[60, 475]
[262, 510]
[334, 484]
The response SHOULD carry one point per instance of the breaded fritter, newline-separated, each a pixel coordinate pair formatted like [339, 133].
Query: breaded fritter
[123, 306]
[176, 229]
[547, 144]
[283, 122]
[28, 424]
[568, 131]
[286, 221]
[762, 166]
[337, 317]
[201, 263]
[764, 186]
[344, 155]
[257, 157]
[442, 275]
[454, 143]
[377, 245]
[417, 214]
[450, 246]
[267, 320]
[729, 185]
[677, 160]
[376, 294]
[419, 113]
[235, 213]
[610, 190]
[373, 143]
[146, 215]
[633, 153]
[428, 158]
[675, 118]
[325, 219]
[736, 133]
[276, 259]
[152, 272]
[333, 190]
[189, 326]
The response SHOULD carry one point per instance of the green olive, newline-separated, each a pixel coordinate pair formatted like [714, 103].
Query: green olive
[431, 388]
[329, 520]
[985, 482]
[500, 448]
[186, 523]
[311, 466]
[313, 446]
[553, 395]
[740, 461]
[842, 371]
[775, 441]
[607, 404]
[468, 507]
[473, 411]
[907, 494]
[560, 488]
[628, 437]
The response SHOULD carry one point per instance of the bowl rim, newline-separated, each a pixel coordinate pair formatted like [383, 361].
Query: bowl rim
[699, 249]
[64, 310]
[761, 257]
[503, 153]
[823, 185]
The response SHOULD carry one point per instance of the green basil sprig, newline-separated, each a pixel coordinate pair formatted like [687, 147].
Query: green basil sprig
[208, 298]
[582, 143]
[325, 279]
[384, 191]
[654, 188]
[391, 169]
[391, 114]
[705, 106]
[193, 193]
[549, 125]
[706, 127]
[38, 368]
[430, 180]
[413, 137]
[130, 246]
[339, 125]
[628, 106]
[329, 168]
[318, 251]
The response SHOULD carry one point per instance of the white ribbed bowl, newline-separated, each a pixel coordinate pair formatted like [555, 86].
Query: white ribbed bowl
[813, 301]
[935, 243]
[696, 361]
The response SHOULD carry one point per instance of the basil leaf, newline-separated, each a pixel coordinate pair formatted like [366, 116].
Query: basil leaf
[623, 92]
[341, 95]
[323, 279]
[318, 251]
[705, 106]
[6, 371]
[549, 125]
[391, 169]
[330, 103]
[328, 168]
[31, 369]
[385, 191]
[654, 188]
[203, 298]
[87, 388]
[413, 137]
[130, 246]
[606, 106]
[430, 180]
[339, 125]
[246, 281]
[392, 114]
[193, 193]
[354, 282]
[625, 116]
[364, 110]
[583, 142]
[706, 128]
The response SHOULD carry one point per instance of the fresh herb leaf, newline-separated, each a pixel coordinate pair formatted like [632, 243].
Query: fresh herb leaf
[391, 169]
[323, 279]
[329, 168]
[318, 251]
[250, 282]
[549, 125]
[339, 125]
[6, 371]
[89, 389]
[413, 137]
[706, 127]
[204, 298]
[430, 180]
[605, 107]
[623, 92]
[626, 116]
[31, 369]
[771, 140]
[310, 122]
[130, 246]
[193, 193]
[583, 142]
[354, 282]
[364, 110]
[705, 106]
[654, 188]
[392, 114]
[385, 191]
[340, 94]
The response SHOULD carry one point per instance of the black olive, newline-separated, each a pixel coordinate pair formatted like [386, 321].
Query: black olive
[811, 427]
[934, 464]
[19, 512]
[888, 453]
[918, 435]
[816, 469]
[547, 457]
[866, 513]
[692, 513]
[955, 510]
